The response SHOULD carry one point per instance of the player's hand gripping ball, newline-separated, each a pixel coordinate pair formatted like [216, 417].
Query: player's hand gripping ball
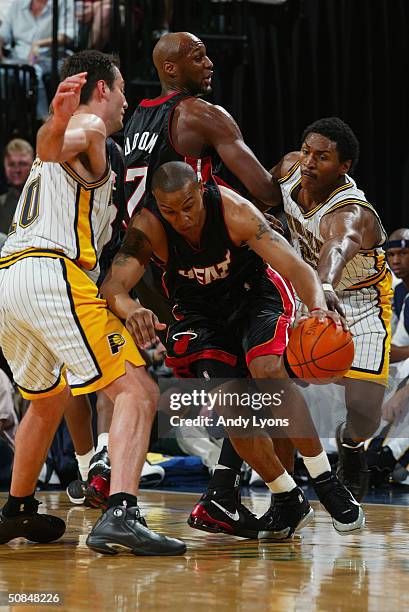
[320, 351]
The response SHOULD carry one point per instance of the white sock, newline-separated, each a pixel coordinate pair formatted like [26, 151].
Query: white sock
[102, 441]
[83, 463]
[317, 465]
[283, 484]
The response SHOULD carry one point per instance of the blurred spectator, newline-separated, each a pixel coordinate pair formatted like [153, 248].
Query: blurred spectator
[27, 28]
[8, 416]
[4, 8]
[8, 427]
[18, 157]
[388, 453]
[94, 18]
[163, 19]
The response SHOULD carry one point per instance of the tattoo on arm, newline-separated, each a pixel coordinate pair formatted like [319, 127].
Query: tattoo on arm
[136, 245]
[262, 229]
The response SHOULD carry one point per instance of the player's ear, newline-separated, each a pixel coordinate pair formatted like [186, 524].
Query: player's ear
[345, 167]
[170, 68]
[101, 88]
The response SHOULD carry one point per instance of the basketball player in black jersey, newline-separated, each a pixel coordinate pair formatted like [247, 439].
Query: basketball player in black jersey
[181, 125]
[234, 310]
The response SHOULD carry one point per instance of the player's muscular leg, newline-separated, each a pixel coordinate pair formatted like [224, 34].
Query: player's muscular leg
[105, 409]
[135, 397]
[259, 452]
[301, 432]
[364, 402]
[33, 439]
[79, 422]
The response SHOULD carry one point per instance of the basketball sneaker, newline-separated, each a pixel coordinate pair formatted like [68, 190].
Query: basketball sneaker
[34, 527]
[121, 527]
[97, 491]
[288, 513]
[221, 511]
[380, 461]
[99, 464]
[76, 491]
[347, 515]
[352, 468]
[151, 475]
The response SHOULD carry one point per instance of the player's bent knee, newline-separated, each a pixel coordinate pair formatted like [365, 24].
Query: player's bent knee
[138, 387]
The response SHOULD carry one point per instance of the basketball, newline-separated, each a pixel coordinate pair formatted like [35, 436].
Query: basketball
[320, 350]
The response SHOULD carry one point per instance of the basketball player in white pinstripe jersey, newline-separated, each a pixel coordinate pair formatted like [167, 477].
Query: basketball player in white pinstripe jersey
[57, 335]
[339, 233]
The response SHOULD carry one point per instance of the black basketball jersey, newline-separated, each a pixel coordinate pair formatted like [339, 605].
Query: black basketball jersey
[201, 278]
[148, 145]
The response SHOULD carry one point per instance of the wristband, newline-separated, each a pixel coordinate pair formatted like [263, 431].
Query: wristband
[327, 287]
[314, 309]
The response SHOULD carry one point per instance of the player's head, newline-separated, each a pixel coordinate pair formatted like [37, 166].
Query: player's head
[397, 252]
[104, 86]
[179, 196]
[181, 61]
[18, 158]
[329, 150]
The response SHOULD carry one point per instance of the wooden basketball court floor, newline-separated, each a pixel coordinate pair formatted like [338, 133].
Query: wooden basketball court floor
[319, 571]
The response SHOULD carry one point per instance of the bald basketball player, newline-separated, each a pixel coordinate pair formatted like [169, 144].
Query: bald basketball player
[179, 125]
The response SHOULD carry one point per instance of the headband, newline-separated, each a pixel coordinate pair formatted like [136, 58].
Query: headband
[396, 244]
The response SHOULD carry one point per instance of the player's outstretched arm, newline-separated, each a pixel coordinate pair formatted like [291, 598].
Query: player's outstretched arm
[218, 129]
[247, 224]
[65, 135]
[127, 269]
[342, 231]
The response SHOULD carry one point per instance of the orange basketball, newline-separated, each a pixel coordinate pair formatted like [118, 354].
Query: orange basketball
[320, 350]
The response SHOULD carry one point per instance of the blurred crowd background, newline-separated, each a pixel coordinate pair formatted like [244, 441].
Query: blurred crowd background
[279, 64]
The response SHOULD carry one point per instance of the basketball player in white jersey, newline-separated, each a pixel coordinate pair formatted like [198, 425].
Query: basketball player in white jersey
[57, 335]
[388, 452]
[339, 233]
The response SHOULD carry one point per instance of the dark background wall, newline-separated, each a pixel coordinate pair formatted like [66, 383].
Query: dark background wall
[307, 59]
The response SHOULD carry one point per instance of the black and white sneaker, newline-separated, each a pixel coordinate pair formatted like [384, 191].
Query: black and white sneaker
[347, 514]
[221, 511]
[288, 513]
[352, 468]
[122, 528]
[35, 527]
[76, 491]
[99, 464]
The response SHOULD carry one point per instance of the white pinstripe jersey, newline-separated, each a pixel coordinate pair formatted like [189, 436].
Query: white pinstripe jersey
[60, 211]
[366, 266]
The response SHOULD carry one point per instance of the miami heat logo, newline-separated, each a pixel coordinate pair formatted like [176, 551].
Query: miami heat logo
[207, 275]
[115, 342]
[182, 341]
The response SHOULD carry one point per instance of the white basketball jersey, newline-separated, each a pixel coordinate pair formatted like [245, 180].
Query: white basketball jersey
[306, 236]
[59, 211]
